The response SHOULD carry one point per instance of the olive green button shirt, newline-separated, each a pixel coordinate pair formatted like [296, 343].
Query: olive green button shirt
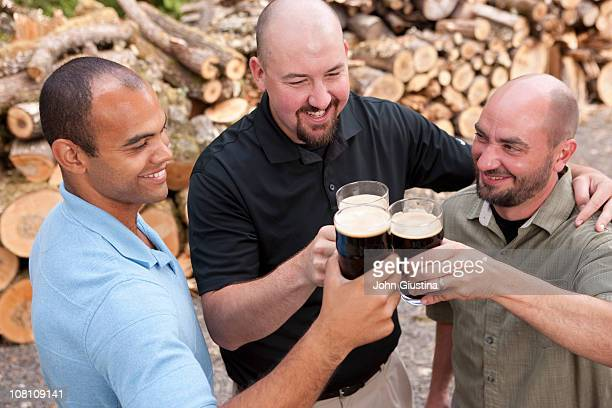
[499, 360]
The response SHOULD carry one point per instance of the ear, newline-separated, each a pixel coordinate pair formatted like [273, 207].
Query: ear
[70, 157]
[258, 73]
[564, 153]
[346, 47]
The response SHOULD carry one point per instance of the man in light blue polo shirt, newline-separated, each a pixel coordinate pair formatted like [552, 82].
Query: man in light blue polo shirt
[112, 316]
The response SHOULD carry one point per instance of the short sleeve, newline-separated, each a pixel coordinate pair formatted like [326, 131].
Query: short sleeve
[440, 312]
[594, 275]
[222, 238]
[435, 159]
[136, 347]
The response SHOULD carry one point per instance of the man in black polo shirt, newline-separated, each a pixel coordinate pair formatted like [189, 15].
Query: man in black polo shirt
[263, 189]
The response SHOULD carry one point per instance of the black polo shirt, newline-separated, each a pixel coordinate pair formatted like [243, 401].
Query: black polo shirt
[256, 199]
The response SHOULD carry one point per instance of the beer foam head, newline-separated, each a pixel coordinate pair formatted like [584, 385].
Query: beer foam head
[361, 199]
[415, 224]
[362, 221]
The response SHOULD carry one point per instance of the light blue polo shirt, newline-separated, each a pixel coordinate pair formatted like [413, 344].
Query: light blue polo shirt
[113, 319]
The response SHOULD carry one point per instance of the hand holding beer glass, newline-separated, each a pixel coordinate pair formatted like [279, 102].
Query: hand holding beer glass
[416, 224]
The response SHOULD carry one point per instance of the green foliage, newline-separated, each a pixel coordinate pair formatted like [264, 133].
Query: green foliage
[47, 6]
[171, 7]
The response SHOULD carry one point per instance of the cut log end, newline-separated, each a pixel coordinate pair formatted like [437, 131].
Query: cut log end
[235, 69]
[9, 265]
[161, 218]
[229, 111]
[211, 91]
[15, 313]
[35, 73]
[23, 120]
[33, 159]
[604, 84]
[21, 220]
[466, 121]
[177, 174]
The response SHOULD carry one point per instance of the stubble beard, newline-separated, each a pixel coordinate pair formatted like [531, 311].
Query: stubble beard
[524, 188]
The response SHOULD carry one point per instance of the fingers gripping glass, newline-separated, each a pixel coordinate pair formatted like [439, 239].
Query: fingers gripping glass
[416, 225]
[363, 192]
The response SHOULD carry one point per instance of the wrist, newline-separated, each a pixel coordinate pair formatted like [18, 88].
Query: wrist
[299, 269]
[333, 346]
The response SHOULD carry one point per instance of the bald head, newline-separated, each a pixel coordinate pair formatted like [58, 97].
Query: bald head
[286, 18]
[550, 101]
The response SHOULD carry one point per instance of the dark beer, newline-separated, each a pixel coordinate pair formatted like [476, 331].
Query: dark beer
[359, 228]
[416, 231]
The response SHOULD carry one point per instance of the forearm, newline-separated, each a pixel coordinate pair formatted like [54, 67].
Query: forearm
[576, 322]
[245, 312]
[442, 369]
[299, 379]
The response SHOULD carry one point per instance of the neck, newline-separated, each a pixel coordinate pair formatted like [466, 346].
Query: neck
[125, 213]
[529, 207]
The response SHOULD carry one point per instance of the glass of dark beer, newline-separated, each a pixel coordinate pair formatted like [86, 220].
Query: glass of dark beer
[416, 225]
[363, 192]
[360, 227]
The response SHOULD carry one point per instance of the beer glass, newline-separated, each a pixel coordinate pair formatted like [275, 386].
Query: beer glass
[416, 225]
[360, 227]
[363, 192]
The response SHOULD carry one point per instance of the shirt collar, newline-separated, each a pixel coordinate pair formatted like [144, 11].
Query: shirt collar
[117, 234]
[555, 210]
[277, 146]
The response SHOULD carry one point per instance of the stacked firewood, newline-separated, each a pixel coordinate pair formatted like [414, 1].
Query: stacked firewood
[442, 58]
[445, 58]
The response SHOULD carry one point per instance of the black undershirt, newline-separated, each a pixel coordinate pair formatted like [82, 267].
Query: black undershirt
[508, 228]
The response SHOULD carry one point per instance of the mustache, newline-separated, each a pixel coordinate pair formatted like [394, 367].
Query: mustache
[497, 173]
[310, 109]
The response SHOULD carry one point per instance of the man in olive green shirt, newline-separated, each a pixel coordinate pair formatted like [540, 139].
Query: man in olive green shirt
[532, 327]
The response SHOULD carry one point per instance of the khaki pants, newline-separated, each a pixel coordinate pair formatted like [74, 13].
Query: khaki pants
[388, 388]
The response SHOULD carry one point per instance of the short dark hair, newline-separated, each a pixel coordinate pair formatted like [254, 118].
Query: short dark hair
[66, 96]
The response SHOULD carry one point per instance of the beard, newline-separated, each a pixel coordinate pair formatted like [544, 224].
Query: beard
[525, 187]
[328, 129]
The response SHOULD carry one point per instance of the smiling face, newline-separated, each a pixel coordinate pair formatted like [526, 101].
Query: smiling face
[516, 161]
[132, 146]
[305, 73]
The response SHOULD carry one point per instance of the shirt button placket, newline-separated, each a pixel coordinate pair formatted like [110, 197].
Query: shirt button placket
[492, 327]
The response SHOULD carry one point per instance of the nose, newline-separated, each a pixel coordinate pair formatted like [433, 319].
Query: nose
[319, 97]
[163, 153]
[487, 159]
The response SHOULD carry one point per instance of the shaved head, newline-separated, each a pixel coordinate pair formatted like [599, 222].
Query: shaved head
[549, 99]
[280, 17]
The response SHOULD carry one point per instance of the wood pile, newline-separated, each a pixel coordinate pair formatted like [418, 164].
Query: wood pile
[442, 58]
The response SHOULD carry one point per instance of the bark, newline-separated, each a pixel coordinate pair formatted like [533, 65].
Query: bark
[53, 46]
[369, 81]
[17, 88]
[33, 159]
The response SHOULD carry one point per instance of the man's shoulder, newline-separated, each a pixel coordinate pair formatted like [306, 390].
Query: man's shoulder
[234, 143]
[373, 107]
[462, 198]
[587, 233]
